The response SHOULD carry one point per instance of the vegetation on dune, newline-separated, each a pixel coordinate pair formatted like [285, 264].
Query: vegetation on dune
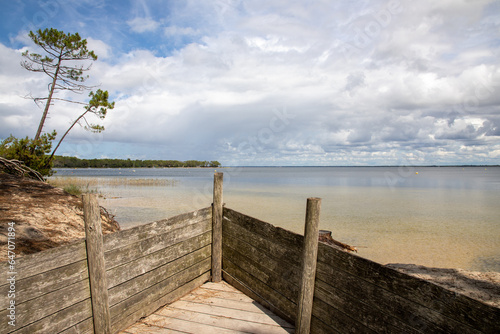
[33, 153]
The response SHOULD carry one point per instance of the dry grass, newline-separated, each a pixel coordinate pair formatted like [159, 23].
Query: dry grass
[96, 182]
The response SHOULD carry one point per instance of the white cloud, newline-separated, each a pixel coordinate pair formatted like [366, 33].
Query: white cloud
[101, 49]
[143, 24]
[415, 85]
[175, 31]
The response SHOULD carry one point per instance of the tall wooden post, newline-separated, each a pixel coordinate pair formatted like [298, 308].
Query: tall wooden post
[96, 266]
[310, 256]
[217, 229]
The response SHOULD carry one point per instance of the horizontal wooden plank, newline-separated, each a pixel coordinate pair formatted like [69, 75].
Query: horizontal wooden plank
[378, 300]
[282, 238]
[449, 304]
[125, 237]
[240, 309]
[46, 282]
[152, 244]
[359, 310]
[255, 296]
[188, 240]
[221, 286]
[50, 259]
[205, 292]
[218, 316]
[338, 321]
[278, 262]
[178, 285]
[156, 291]
[228, 310]
[319, 327]
[70, 317]
[46, 305]
[273, 247]
[34, 264]
[186, 326]
[84, 327]
[142, 328]
[271, 296]
[283, 279]
[122, 292]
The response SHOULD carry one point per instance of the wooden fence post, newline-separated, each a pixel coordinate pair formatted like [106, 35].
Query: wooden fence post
[217, 229]
[309, 259]
[96, 266]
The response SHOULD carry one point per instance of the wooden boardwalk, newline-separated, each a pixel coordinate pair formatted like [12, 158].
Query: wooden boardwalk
[212, 308]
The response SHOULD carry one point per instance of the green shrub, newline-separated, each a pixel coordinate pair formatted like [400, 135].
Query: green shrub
[33, 153]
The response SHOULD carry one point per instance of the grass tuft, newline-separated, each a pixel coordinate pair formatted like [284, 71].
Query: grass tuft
[73, 189]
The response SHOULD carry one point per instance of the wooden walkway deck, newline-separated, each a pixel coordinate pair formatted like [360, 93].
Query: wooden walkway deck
[212, 308]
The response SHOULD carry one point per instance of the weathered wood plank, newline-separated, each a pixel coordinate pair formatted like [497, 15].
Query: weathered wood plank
[132, 303]
[228, 310]
[217, 228]
[338, 321]
[271, 296]
[420, 317]
[61, 320]
[221, 317]
[176, 287]
[202, 236]
[34, 264]
[271, 244]
[84, 327]
[43, 306]
[187, 326]
[125, 237]
[309, 257]
[142, 328]
[131, 251]
[381, 321]
[43, 283]
[96, 264]
[286, 268]
[223, 287]
[255, 296]
[194, 301]
[127, 289]
[282, 279]
[450, 304]
[229, 295]
[282, 238]
[319, 327]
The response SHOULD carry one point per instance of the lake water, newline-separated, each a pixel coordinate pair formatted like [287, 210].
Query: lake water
[434, 216]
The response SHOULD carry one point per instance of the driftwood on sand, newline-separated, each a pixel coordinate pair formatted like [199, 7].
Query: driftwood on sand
[326, 237]
[18, 168]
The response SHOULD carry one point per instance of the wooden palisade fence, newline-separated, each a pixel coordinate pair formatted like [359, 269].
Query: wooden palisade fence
[105, 284]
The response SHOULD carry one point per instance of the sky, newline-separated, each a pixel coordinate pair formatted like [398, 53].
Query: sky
[270, 83]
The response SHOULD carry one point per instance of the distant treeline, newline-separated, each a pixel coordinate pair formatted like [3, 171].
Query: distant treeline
[72, 162]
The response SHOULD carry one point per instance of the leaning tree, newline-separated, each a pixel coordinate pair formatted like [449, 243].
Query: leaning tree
[62, 62]
[65, 60]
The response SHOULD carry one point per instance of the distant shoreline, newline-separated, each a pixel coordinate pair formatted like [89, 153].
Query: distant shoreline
[384, 166]
[73, 162]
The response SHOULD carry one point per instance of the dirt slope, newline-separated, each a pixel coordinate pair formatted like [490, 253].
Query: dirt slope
[44, 216]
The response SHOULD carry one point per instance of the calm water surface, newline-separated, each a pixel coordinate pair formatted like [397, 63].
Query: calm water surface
[434, 216]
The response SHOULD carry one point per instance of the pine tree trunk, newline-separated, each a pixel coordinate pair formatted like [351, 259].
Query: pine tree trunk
[49, 99]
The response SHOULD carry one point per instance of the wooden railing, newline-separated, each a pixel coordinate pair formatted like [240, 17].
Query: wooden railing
[351, 294]
[145, 267]
[151, 265]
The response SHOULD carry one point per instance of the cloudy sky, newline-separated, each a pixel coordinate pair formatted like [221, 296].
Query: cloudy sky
[271, 82]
